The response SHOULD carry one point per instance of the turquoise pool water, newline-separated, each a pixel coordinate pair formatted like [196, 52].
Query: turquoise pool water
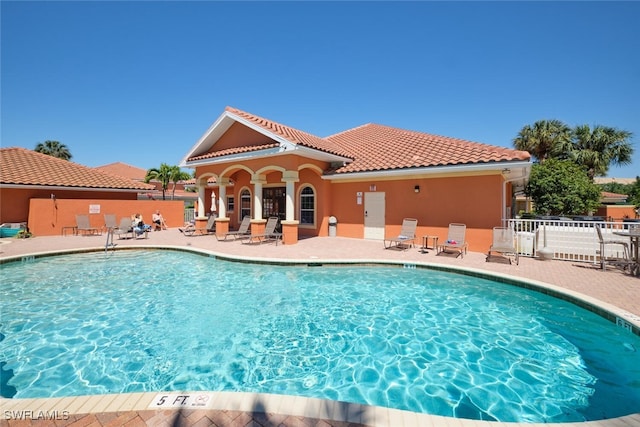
[413, 339]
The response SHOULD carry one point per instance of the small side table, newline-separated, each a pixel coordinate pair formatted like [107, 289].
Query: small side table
[73, 228]
[425, 242]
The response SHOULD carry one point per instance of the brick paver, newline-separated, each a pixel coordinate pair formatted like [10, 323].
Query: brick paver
[613, 287]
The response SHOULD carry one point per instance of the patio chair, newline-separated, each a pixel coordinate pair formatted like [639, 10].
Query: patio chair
[455, 240]
[191, 229]
[269, 233]
[124, 229]
[407, 236]
[503, 243]
[241, 233]
[110, 221]
[84, 226]
[625, 261]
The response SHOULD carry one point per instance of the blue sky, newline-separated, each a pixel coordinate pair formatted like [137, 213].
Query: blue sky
[140, 82]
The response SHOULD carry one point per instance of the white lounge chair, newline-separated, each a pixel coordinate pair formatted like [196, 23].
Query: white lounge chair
[83, 225]
[407, 236]
[455, 240]
[124, 229]
[241, 233]
[191, 229]
[503, 242]
[269, 233]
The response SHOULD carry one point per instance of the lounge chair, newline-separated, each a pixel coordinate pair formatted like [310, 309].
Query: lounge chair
[625, 261]
[191, 230]
[83, 225]
[241, 233]
[110, 221]
[455, 240]
[407, 236]
[503, 243]
[124, 229]
[269, 233]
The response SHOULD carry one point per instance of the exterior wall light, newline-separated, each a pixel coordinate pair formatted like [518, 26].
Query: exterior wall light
[416, 188]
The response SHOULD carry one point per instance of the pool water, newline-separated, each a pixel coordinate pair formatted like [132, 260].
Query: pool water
[414, 339]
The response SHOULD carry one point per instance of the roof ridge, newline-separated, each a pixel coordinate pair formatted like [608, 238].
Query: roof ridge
[349, 130]
[291, 134]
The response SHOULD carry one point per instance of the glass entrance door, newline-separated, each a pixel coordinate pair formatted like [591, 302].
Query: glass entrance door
[274, 202]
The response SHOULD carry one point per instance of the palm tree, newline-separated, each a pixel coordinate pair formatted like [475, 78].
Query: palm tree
[161, 174]
[177, 175]
[545, 139]
[55, 149]
[598, 148]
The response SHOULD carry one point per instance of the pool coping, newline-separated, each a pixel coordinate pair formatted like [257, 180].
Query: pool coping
[60, 408]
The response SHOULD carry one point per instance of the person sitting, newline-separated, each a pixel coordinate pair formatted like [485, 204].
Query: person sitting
[188, 228]
[138, 225]
[158, 221]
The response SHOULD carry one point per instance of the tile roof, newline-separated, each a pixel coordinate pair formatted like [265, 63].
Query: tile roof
[374, 147]
[292, 135]
[123, 169]
[377, 148]
[235, 150]
[20, 166]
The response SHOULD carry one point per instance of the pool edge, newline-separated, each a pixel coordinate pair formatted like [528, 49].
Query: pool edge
[303, 406]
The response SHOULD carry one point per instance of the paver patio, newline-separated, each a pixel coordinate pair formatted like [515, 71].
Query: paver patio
[612, 287]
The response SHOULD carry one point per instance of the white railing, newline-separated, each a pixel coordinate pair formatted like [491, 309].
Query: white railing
[189, 215]
[569, 240]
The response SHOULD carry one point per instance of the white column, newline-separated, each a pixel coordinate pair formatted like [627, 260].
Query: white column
[290, 178]
[258, 181]
[200, 213]
[222, 196]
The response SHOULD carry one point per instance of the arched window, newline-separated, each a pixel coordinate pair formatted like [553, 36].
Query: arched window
[245, 204]
[307, 206]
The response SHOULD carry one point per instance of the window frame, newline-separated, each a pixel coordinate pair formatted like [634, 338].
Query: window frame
[302, 209]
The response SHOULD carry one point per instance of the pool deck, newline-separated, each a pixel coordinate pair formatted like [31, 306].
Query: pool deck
[614, 290]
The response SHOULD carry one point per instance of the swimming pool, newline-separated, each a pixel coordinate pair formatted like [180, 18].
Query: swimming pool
[414, 339]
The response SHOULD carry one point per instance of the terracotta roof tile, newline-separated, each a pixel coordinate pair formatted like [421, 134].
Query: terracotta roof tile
[20, 166]
[123, 169]
[376, 147]
[292, 135]
[235, 150]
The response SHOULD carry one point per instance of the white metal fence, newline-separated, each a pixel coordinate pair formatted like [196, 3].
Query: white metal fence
[568, 239]
[189, 215]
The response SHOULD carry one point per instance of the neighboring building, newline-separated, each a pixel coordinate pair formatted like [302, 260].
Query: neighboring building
[138, 174]
[47, 193]
[607, 180]
[369, 178]
[607, 198]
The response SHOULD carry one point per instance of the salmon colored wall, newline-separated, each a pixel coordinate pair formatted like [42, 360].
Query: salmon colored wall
[475, 201]
[239, 134]
[48, 216]
[616, 212]
[14, 202]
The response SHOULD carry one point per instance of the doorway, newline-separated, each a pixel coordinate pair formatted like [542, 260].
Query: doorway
[374, 215]
[274, 201]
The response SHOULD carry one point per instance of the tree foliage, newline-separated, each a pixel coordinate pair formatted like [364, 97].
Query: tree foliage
[544, 139]
[598, 148]
[177, 174]
[561, 187]
[55, 149]
[162, 175]
[166, 174]
[594, 149]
